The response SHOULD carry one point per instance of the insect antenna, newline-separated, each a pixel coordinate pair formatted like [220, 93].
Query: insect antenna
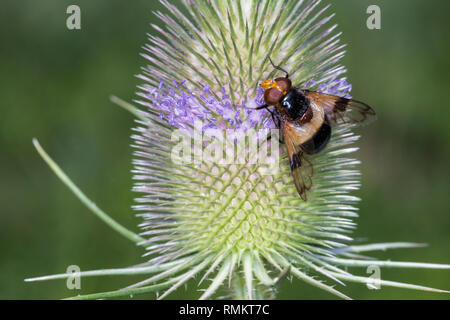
[278, 68]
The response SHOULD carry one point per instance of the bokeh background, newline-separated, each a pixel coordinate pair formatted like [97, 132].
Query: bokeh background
[55, 85]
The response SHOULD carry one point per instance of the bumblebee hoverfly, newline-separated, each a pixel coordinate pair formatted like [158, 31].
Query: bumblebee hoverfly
[305, 119]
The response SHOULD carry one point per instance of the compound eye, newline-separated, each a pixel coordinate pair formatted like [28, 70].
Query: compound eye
[272, 96]
[285, 83]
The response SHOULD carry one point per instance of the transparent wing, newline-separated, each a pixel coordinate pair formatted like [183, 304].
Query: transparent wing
[301, 168]
[342, 110]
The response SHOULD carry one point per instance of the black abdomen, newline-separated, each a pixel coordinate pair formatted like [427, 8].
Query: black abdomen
[294, 104]
[319, 140]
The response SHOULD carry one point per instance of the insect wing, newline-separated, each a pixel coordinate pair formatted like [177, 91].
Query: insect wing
[342, 110]
[302, 169]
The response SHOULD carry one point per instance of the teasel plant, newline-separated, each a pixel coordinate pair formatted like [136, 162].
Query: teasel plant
[235, 229]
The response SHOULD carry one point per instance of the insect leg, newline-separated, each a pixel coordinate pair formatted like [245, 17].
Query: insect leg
[278, 125]
[274, 119]
[281, 139]
[264, 106]
[273, 116]
[269, 137]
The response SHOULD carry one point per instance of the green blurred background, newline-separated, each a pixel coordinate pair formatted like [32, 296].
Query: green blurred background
[55, 86]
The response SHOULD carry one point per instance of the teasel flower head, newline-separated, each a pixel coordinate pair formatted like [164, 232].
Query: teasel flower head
[233, 225]
[240, 227]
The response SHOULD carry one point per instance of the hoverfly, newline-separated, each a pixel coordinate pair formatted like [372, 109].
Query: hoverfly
[305, 119]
